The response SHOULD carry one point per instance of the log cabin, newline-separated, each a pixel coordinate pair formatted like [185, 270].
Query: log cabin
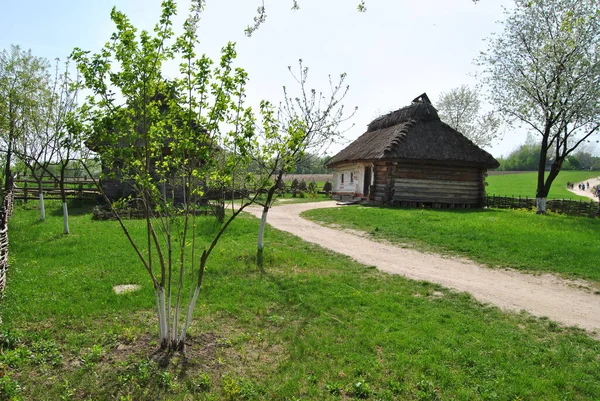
[409, 157]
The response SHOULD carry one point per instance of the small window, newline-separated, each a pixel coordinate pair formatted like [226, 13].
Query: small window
[351, 177]
[342, 178]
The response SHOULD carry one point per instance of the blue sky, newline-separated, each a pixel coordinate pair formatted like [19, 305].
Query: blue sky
[392, 53]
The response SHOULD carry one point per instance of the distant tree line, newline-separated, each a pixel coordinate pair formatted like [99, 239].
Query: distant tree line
[312, 164]
[527, 158]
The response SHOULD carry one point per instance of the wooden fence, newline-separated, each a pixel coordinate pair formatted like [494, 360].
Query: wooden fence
[75, 188]
[5, 214]
[563, 206]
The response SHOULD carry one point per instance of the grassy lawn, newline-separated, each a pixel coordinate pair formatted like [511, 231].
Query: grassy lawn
[313, 326]
[509, 238]
[524, 184]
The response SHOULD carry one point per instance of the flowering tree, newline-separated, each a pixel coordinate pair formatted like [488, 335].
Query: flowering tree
[543, 72]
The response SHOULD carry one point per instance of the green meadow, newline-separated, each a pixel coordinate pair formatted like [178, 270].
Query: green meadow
[313, 325]
[524, 184]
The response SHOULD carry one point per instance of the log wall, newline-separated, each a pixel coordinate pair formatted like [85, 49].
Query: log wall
[422, 184]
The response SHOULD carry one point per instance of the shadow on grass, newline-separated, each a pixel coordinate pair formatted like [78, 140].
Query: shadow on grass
[76, 208]
[431, 209]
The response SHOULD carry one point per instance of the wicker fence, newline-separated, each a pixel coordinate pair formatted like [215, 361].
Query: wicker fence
[562, 206]
[5, 214]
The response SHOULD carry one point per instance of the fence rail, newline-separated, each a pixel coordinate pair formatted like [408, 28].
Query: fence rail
[75, 188]
[563, 206]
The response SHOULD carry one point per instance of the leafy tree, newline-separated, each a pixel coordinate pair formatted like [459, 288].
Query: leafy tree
[312, 164]
[571, 163]
[543, 72]
[168, 130]
[23, 82]
[461, 109]
[587, 160]
[525, 158]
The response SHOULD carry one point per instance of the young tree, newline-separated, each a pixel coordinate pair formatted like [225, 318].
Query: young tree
[543, 71]
[461, 109]
[48, 141]
[35, 149]
[23, 77]
[168, 130]
[307, 123]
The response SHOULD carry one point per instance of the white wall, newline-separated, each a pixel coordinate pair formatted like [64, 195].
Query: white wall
[353, 178]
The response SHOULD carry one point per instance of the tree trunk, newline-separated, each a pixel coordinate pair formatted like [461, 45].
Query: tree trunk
[540, 204]
[163, 336]
[541, 193]
[554, 170]
[8, 181]
[65, 218]
[263, 221]
[42, 206]
[188, 318]
[261, 236]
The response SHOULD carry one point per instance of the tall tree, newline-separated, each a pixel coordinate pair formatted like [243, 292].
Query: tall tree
[461, 109]
[543, 71]
[23, 77]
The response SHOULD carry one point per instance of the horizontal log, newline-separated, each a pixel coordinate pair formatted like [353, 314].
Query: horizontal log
[438, 169]
[439, 199]
[441, 183]
[468, 194]
[437, 176]
[437, 191]
[440, 165]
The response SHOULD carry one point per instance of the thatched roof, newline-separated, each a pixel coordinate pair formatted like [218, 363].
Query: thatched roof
[414, 132]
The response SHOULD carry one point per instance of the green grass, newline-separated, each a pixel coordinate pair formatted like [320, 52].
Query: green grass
[509, 238]
[313, 326]
[524, 184]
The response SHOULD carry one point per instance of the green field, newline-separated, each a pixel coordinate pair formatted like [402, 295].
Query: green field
[524, 184]
[313, 326]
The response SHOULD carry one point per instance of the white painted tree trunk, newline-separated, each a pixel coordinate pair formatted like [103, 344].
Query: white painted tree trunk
[163, 325]
[188, 317]
[66, 218]
[42, 207]
[541, 205]
[261, 230]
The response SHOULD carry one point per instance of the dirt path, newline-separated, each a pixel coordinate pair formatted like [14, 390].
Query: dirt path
[587, 193]
[560, 300]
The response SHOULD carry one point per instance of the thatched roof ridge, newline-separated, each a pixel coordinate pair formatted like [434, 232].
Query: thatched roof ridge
[416, 111]
[414, 132]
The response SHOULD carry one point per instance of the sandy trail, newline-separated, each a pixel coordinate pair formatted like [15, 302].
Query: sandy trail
[571, 303]
[587, 193]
